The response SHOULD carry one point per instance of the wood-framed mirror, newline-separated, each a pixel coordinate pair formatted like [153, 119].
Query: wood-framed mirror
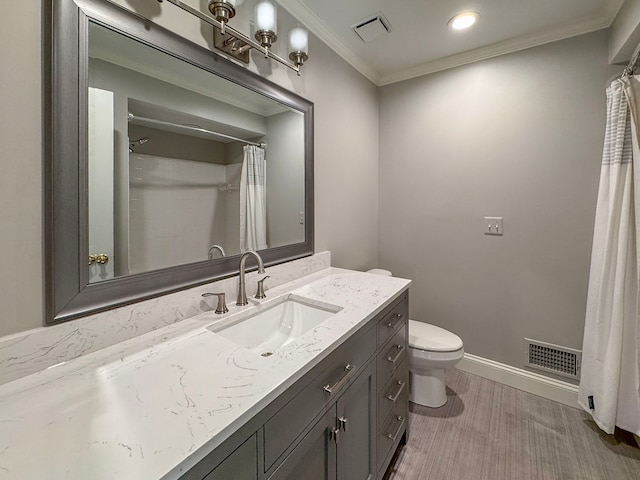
[153, 147]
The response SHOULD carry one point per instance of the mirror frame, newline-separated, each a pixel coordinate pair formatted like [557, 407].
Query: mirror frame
[69, 294]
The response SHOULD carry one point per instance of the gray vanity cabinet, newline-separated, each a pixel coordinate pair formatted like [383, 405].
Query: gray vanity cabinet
[342, 420]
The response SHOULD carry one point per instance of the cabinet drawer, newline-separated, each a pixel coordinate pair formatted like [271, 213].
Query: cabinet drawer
[289, 422]
[394, 392]
[391, 432]
[391, 356]
[393, 320]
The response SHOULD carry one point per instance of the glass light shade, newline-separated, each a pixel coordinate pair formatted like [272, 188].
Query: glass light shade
[463, 20]
[266, 16]
[298, 40]
[232, 2]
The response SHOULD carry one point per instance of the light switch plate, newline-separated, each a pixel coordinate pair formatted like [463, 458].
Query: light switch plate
[493, 226]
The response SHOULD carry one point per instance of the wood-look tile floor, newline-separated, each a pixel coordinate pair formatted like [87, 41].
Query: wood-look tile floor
[488, 431]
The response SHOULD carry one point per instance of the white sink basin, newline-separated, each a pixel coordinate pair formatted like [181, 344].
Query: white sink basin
[277, 325]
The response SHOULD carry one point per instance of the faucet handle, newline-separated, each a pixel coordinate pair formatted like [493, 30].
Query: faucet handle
[222, 304]
[260, 293]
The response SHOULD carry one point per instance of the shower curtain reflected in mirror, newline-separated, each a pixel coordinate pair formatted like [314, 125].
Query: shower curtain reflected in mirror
[610, 381]
[253, 200]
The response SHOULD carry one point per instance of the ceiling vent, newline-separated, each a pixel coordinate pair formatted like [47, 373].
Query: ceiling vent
[372, 28]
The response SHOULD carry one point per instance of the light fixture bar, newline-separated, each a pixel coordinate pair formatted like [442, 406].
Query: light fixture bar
[230, 30]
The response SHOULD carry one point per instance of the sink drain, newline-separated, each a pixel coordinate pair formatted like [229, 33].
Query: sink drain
[266, 354]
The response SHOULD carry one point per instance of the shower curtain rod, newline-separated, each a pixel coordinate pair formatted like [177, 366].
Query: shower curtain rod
[194, 129]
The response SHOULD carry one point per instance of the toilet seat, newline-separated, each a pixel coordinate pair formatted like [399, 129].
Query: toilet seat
[417, 358]
[429, 338]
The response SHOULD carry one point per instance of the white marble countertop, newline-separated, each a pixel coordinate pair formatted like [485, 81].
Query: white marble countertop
[151, 407]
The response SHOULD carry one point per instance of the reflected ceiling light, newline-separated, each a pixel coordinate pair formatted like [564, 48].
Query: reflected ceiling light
[463, 20]
[237, 44]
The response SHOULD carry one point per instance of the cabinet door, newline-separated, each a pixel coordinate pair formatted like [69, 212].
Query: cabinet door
[315, 456]
[356, 419]
[240, 465]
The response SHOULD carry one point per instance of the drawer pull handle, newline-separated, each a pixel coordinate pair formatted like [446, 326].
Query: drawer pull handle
[342, 424]
[398, 319]
[350, 370]
[393, 436]
[400, 349]
[394, 398]
[334, 434]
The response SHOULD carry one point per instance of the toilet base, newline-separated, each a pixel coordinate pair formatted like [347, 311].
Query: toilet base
[427, 388]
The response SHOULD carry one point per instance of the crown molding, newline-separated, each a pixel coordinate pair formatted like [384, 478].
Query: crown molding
[498, 49]
[611, 10]
[320, 29]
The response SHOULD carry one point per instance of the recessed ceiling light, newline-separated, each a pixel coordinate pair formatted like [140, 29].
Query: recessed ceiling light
[463, 20]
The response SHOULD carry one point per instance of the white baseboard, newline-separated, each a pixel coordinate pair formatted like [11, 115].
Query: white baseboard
[540, 385]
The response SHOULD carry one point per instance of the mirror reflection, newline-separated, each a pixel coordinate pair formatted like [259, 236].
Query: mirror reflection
[184, 166]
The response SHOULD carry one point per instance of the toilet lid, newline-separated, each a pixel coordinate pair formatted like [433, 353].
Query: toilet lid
[380, 271]
[424, 336]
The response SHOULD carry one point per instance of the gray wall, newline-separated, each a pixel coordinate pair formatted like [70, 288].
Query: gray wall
[346, 173]
[21, 145]
[518, 136]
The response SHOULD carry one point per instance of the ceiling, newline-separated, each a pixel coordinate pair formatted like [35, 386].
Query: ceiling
[420, 42]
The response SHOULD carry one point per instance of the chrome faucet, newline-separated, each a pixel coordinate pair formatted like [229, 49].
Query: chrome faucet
[222, 305]
[213, 248]
[242, 291]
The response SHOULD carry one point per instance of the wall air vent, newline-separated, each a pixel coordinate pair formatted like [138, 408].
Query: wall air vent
[550, 358]
[372, 28]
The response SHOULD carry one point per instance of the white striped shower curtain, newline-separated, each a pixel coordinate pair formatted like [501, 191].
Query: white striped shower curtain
[253, 200]
[610, 380]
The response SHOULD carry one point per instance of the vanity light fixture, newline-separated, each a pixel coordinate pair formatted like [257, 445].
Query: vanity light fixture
[298, 45]
[266, 25]
[223, 11]
[463, 20]
[238, 45]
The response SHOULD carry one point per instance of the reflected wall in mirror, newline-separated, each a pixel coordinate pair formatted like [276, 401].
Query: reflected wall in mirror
[184, 166]
[166, 162]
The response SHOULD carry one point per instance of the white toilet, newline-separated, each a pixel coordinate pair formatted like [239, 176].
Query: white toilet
[432, 350]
